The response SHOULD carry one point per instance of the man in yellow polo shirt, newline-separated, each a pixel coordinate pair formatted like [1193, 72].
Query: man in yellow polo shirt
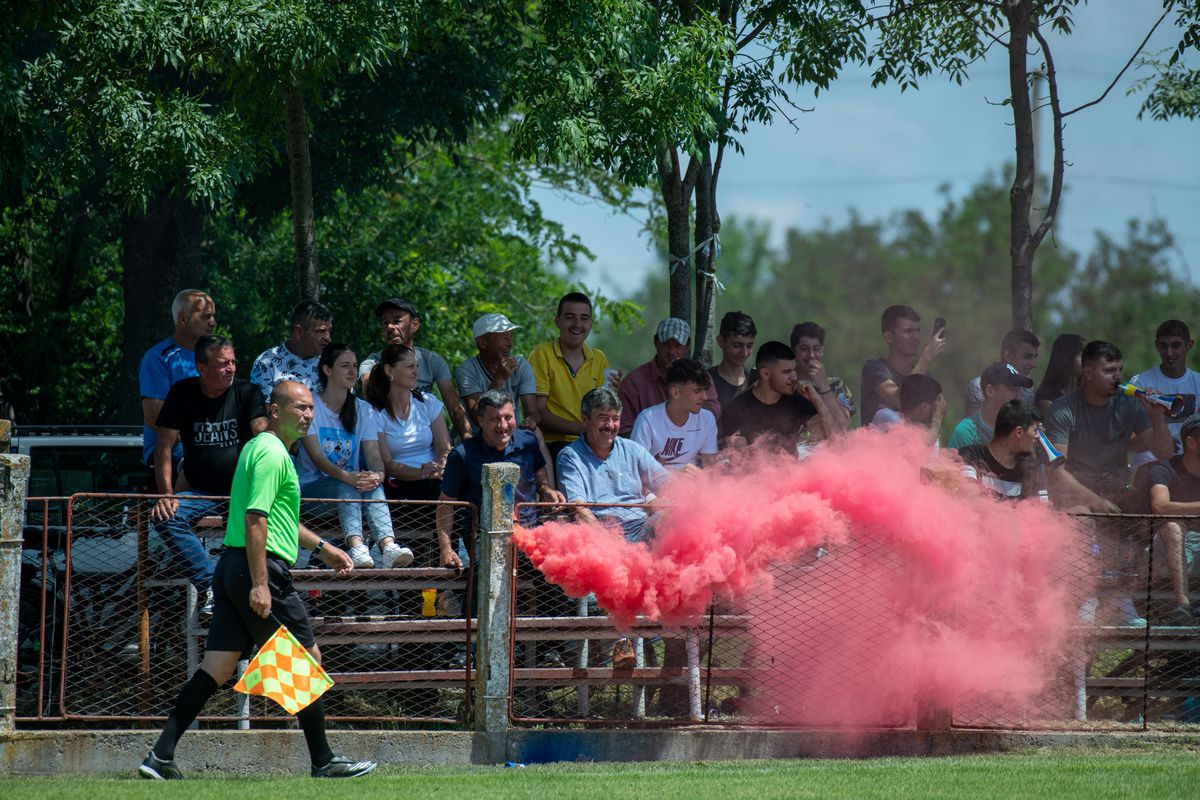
[564, 370]
[252, 585]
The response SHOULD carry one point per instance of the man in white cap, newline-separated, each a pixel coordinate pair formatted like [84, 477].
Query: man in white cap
[647, 385]
[497, 368]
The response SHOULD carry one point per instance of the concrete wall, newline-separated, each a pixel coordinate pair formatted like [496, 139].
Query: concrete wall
[259, 752]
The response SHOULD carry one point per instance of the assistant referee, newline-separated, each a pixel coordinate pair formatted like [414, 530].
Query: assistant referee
[252, 582]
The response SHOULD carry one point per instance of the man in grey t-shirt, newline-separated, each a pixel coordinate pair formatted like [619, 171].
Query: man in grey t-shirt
[881, 377]
[1094, 427]
[497, 368]
[399, 323]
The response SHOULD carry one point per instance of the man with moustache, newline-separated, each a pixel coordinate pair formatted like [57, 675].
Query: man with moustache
[646, 385]
[297, 358]
[564, 370]
[399, 323]
[499, 440]
[602, 467]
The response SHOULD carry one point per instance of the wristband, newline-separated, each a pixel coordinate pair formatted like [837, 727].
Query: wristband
[320, 546]
[827, 391]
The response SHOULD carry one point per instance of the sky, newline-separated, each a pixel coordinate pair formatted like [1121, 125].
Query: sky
[879, 151]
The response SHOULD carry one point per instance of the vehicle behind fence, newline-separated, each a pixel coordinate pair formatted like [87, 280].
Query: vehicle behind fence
[112, 622]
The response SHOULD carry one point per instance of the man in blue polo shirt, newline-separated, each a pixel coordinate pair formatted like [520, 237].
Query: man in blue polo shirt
[601, 467]
[170, 361]
[499, 440]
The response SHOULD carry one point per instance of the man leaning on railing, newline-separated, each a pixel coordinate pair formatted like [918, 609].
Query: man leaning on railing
[601, 467]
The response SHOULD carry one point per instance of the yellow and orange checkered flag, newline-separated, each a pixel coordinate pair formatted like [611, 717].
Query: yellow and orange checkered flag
[285, 672]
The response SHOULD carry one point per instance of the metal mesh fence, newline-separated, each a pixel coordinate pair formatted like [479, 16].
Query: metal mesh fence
[120, 605]
[822, 643]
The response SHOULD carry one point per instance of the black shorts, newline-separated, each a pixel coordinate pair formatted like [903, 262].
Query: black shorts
[235, 627]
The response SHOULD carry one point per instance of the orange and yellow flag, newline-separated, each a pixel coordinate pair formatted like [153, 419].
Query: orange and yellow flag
[285, 672]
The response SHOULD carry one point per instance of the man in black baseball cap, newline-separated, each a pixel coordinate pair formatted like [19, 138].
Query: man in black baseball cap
[398, 324]
[1001, 382]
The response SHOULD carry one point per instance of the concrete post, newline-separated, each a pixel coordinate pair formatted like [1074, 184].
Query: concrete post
[14, 477]
[494, 575]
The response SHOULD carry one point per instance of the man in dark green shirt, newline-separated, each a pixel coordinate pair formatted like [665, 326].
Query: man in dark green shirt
[252, 585]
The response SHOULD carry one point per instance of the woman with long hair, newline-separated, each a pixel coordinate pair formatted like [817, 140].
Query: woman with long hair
[1062, 372]
[413, 438]
[343, 434]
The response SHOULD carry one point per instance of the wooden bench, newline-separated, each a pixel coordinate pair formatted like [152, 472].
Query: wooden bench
[1149, 642]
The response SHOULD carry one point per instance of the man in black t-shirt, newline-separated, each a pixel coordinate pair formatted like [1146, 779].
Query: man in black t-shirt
[775, 410]
[1008, 464]
[1174, 488]
[214, 416]
[736, 340]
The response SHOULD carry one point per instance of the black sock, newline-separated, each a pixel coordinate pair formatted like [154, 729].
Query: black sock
[312, 722]
[191, 700]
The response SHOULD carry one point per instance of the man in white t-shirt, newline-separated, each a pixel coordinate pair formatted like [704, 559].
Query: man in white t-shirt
[679, 432]
[1173, 341]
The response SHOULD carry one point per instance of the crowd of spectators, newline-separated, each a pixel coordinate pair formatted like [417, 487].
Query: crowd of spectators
[401, 425]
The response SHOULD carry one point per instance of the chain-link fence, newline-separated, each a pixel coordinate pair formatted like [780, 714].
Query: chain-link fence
[845, 636]
[115, 606]
[112, 621]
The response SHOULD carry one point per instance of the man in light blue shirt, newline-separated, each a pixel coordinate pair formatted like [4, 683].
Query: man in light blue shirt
[171, 360]
[601, 467]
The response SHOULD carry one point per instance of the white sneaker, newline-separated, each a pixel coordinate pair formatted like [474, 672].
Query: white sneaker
[361, 556]
[396, 555]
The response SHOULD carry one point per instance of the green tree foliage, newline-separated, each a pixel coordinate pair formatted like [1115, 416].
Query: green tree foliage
[452, 228]
[1174, 85]
[954, 266]
[655, 93]
[1125, 288]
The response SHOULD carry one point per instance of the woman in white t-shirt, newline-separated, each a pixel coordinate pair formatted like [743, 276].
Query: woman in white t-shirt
[343, 434]
[413, 438]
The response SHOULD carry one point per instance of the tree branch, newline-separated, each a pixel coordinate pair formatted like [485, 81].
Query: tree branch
[1123, 69]
[1056, 116]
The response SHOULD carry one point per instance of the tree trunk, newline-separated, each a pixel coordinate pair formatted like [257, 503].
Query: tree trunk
[1021, 245]
[160, 256]
[300, 172]
[676, 194]
[705, 258]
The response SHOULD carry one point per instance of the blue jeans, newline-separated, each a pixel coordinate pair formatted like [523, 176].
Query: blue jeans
[181, 539]
[350, 514]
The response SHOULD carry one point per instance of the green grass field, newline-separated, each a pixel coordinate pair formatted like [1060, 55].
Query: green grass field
[1154, 774]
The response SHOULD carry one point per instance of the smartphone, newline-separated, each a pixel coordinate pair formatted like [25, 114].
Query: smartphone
[939, 325]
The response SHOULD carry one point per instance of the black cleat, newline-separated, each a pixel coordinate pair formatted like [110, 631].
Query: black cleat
[342, 767]
[156, 769]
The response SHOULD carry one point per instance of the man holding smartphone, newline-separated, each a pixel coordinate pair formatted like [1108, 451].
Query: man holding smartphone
[881, 377]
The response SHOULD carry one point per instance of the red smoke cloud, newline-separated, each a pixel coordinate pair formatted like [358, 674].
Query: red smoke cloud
[923, 588]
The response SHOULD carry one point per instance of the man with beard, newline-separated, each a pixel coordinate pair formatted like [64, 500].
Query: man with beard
[499, 440]
[399, 323]
[774, 412]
